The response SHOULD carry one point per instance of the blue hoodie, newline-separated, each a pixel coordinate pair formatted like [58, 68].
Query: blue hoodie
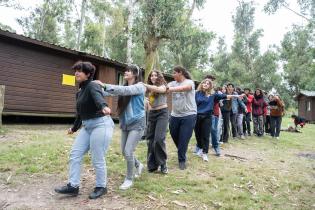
[135, 109]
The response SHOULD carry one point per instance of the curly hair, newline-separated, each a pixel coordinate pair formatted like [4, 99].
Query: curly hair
[160, 78]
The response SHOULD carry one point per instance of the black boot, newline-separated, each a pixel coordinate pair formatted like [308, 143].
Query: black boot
[68, 189]
[98, 192]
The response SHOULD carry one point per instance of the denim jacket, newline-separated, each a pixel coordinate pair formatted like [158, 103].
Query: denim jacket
[237, 104]
[135, 108]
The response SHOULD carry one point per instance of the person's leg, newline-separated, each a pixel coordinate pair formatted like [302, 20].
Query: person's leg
[278, 126]
[79, 148]
[272, 126]
[255, 122]
[248, 120]
[198, 131]
[226, 126]
[219, 128]
[233, 124]
[187, 125]
[159, 145]
[205, 133]
[240, 125]
[99, 141]
[174, 129]
[261, 125]
[151, 162]
[132, 141]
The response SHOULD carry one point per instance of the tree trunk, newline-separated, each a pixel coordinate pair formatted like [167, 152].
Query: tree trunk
[2, 89]
[83, 3]
[150, 46]
[104, 38]
[129, 34]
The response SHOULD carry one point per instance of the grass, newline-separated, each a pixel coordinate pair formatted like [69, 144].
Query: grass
[271, 175]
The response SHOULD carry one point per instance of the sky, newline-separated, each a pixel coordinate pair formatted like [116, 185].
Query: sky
[216, 16]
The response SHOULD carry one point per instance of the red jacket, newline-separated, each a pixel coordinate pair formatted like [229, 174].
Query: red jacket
[259, 105]
[249, 102]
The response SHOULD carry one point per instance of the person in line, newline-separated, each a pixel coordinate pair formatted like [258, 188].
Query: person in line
[276, 112]
[259, 105]
[248, 115]
[92, 113]
[158, 121]
[241, 111]
[205, 99]
[131, 112]
[184, 110]
[267, 123]
[226, 109]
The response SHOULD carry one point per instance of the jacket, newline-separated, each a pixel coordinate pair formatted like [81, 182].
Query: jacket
[89, 103]
[135, 109]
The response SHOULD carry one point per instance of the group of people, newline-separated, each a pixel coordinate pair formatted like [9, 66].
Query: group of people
[200, 111]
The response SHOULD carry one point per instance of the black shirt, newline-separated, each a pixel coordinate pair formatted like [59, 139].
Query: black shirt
[90, 103]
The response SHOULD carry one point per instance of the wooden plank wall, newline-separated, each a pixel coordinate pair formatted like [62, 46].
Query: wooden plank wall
[33, 80]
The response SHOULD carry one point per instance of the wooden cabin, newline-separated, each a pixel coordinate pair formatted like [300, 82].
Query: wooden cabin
[31, 71]
[306, 105]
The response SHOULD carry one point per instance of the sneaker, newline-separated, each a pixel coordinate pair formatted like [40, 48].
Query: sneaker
[242, 137]
[205, 157]
[139, 170]
[196, 149]
[164, 169]
[152, 170]
[126, 185]
[199, 153]
[68, 190]
[182, 165]
[98, 192]
[217, 151]
[277, 138]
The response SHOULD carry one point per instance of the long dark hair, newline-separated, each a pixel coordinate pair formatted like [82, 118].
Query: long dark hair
[124, 100]
[180, 69]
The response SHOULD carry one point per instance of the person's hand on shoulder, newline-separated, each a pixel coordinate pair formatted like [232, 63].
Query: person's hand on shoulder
[106, 111]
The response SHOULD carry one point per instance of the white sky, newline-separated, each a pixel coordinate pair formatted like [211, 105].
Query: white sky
[216, 16]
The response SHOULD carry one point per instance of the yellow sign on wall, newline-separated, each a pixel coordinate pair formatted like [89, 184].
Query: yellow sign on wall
[68, 80]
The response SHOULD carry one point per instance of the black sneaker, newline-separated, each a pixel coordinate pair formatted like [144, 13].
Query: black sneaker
[164, 169]
[68, 190]
[182, 165]
[98, 192]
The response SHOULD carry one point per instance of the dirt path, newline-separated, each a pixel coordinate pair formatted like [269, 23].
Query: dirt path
[38, 193]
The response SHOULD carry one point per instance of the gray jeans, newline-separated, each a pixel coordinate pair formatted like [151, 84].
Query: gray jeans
[129, 142]
[258, 125]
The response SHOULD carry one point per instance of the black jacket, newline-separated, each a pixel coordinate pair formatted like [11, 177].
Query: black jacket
[90, 103]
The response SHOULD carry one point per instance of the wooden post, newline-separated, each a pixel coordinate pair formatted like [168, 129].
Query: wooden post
[2, 89]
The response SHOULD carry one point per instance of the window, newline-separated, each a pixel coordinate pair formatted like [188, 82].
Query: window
[309, 106]
[120, 78]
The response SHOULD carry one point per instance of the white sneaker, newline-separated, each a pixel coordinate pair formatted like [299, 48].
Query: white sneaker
[199, 153]
[205, 157]
[277, 138]
[126, 185]
[139, 170]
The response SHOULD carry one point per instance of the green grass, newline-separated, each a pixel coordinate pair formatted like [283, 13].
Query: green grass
[272, 176]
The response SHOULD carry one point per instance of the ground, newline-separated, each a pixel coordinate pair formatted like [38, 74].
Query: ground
[256, 173]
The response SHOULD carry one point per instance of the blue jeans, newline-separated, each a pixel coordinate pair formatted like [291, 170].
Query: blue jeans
[215, 132]
[95, 135]
[181, 129]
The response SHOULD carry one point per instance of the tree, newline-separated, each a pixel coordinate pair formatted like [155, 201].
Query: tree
[43, 22]
[159, 20]
[297, 53]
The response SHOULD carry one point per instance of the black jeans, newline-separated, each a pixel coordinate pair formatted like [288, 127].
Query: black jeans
[275, 126]
[225, 126]
[246, 123]
[268, 124]
[181, 129]
[202, 131]
[156, 135]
